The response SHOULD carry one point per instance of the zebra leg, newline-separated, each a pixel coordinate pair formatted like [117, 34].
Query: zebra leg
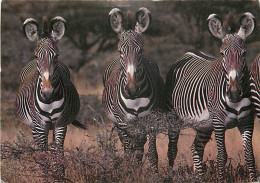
[126, 140]
[172, 145]
[59, 137]
[140, 140]
[197, 149]
[152, 152]
[40, 136]
[246, 132]
[222, 154]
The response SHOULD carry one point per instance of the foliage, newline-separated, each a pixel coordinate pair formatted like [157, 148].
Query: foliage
[88, 36]
[101, 164]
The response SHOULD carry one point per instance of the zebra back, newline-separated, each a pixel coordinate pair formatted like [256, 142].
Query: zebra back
[28, 71]
[115, 62]
[255, 85]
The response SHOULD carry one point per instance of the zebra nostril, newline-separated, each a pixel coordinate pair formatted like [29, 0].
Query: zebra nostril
[138, 90]
[132, 90]
[228, 93]
[47, 93]
[240, 93]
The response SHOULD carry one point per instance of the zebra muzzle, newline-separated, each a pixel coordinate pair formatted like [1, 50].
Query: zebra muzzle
[234, 95]
[234, 92]
[47, 89]
[132, 90]
[132, 87]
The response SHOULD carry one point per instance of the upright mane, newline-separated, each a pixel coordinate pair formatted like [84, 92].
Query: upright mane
[129, 21]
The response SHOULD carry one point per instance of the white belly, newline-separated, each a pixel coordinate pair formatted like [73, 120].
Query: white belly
[199, 121]
[203, 116]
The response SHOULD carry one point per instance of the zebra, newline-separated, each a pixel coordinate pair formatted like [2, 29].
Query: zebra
[133, 87]
[255, 85]
[47, 99]
[209, 93]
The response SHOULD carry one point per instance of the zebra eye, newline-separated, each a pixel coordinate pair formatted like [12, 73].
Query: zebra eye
[121, 54]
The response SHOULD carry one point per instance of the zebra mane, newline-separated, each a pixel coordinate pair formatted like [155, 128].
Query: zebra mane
[229, 24]
[129, 21]
[45, 29]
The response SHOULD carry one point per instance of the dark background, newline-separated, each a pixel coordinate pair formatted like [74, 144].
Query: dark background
[89, 42]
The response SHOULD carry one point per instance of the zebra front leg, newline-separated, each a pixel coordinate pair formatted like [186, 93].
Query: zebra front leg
[59, 137]
[172, 145]
[197, 149]
[126, 141]
[222, 154]
[152, 151]
[246, 132]
[40, 136]
[140, 140]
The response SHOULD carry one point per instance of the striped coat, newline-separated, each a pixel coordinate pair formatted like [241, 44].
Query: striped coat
[209, 94]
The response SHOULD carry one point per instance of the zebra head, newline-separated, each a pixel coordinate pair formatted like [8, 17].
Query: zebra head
[46, 50]
[130, 44]
[233, 51]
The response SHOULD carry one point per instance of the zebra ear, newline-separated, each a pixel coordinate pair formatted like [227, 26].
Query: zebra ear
[58, 26]
[144, 18]
[115, 20]
[247, 25]
[215, 26]
[30, 29]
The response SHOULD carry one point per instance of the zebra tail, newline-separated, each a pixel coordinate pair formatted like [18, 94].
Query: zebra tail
[78, 124]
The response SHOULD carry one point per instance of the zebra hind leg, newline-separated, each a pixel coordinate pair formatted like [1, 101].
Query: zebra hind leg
[247, 133]
[172, 145]
[197, 149]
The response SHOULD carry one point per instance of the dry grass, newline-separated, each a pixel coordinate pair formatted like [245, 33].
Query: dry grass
[104, 162]
[96, 155]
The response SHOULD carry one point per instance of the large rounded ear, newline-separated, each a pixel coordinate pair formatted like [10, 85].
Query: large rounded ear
[215, 26]
[30, 29]
[57, 27]
[144, 18]
[247, 25]
[115, 19]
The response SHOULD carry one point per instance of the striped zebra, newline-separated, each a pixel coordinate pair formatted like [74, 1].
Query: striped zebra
[132, 83]
[210, 93]
[255, 85]
[46, 99]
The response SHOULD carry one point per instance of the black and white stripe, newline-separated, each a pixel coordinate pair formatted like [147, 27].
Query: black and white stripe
[132, 86]
[255, 85]
[212, 94]
[58, 107]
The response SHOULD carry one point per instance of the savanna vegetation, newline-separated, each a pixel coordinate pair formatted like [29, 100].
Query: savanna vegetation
[96, 155]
